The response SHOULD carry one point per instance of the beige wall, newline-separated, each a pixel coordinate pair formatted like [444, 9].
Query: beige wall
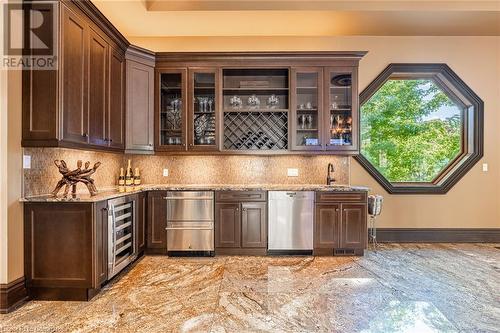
[11, 226]
[475, 201]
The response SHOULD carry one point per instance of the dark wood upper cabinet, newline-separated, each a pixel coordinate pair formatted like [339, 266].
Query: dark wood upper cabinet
[227, 225]
[98, 60]
[75, 117]
[341, 116]
[81, 103]
[171, 112]
[203, 105]
[116, 119]
[157, 222]
[254, 224]
[306, 123]
[140, 101]
[257, 102]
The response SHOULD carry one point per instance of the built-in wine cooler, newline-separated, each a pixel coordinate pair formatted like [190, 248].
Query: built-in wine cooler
[121, 234]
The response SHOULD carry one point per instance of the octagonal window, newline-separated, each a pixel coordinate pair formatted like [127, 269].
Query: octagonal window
[421, 128]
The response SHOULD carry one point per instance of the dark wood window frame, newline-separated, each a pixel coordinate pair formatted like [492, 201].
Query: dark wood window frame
[472, 126]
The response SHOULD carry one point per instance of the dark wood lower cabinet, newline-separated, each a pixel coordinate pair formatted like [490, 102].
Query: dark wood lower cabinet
[227, 225]
[64, 250]
[240, 226]
[354, 231]
[157, 222]
[340, 225]
[326, 227]
[66, 247]
[101, 236]
[254, 225]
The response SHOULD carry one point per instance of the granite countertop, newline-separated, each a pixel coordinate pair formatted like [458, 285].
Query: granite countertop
[113, 193]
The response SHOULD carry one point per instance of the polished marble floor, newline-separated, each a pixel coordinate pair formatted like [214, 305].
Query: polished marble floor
[399, 288]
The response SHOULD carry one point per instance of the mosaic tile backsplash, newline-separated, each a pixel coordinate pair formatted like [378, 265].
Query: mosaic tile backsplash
[44, 175]
[221, 169]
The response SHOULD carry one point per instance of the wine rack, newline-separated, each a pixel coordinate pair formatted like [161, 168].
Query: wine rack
[255, 130]
[255, 108]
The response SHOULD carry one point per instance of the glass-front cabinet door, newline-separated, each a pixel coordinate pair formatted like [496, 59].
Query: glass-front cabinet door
[172, 110]
[341, 114]
[307, 109]
[203, 87]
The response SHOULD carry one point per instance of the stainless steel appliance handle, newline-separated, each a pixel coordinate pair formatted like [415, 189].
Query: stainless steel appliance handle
[189, 228]
[188, 198]
[113, 219]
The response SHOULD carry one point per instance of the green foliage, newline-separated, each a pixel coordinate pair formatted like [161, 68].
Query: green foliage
[400, 137]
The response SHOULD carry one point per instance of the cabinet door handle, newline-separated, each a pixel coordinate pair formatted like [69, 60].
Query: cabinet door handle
[151, 145]
[85, 135]
[244, 209]
[336, 209]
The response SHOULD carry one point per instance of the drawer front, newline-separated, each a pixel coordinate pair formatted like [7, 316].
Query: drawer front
[241, 196]
[341, 197]
[190, 210]
[190, 240]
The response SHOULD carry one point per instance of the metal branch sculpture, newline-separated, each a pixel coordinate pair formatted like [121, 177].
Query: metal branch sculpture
[71, 178]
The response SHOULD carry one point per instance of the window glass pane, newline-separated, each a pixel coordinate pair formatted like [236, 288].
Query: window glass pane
[411, 130]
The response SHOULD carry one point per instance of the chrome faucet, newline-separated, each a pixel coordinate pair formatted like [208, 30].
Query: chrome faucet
[329, 178]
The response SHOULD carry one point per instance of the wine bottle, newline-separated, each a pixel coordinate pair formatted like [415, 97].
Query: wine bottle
[137, 177]
[121, 181]
[129, 182]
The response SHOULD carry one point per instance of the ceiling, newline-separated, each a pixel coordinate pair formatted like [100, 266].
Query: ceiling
[174, 18]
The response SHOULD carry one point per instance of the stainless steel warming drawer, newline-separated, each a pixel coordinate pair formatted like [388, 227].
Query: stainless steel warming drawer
[190, 221]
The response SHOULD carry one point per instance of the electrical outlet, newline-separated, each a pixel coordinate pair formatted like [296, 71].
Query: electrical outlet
[485, 167]
[27, 161]
[165, 172]
[293, 172]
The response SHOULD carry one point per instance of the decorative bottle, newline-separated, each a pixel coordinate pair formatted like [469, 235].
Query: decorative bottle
[129, 178]
[137, 177]
[121, 181]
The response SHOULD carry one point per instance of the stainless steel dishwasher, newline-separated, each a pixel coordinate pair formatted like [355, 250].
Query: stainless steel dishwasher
[190, 222]
[290, 221]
